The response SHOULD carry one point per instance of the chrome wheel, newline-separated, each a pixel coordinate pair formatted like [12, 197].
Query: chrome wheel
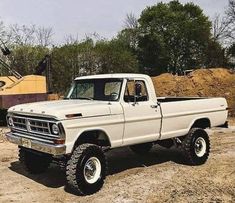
[200, 147]
[92, 170]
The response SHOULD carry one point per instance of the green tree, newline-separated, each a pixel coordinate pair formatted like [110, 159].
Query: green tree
[215, 55]
[231, 56]
[129, 35]
[89, 57]
[115, 57]
[173, 37]
[25, 58]
[70, 61]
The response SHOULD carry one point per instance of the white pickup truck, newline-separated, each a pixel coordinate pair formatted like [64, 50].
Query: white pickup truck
[103, 112]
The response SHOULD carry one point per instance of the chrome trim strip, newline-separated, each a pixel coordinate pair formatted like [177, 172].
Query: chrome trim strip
[89, 116]
[81, 117]
[37, 126]
[21, 129]
[34, 133]
[33, 119]
[33, 115]
[191, 113]
[32, 137]
[19, 123]
[39, 146]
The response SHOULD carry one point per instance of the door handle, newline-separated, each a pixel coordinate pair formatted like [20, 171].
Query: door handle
[154, 106]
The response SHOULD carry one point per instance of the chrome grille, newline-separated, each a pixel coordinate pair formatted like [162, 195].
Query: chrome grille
[20, 123]
[34, 128]
[39, 126]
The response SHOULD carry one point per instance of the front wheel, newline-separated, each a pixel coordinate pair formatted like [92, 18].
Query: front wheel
[196, 146]
[86, 169]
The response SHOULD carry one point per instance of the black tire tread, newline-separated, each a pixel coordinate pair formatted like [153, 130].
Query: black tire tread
[71, 168]
[186, 147]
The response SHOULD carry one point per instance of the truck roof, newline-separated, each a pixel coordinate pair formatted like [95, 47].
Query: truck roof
[149, 83]
[115, 75]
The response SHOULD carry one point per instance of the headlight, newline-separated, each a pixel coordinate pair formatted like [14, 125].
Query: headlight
[10, 121]
[55, 129]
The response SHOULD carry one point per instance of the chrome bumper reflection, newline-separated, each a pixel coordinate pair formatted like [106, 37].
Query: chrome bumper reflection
[36, 145]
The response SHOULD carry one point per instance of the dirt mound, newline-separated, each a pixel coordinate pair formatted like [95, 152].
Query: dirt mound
[217, 82]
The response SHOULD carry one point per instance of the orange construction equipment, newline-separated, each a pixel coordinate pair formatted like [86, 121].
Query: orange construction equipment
[18, 89]
[30, 88]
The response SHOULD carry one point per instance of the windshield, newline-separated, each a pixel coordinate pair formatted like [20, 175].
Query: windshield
[96, 89]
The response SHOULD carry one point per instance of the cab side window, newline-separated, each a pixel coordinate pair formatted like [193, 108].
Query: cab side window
[136, 91]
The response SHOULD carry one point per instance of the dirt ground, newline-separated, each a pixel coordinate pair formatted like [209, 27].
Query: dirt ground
[161, 176]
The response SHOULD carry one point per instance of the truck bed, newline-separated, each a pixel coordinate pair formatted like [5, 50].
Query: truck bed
[180, 113]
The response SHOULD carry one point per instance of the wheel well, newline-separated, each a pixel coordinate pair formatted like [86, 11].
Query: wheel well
[202, 123]
[97, 137]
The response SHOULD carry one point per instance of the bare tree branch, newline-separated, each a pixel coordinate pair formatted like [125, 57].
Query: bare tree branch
[223, 29]
[131, 21]
[2, 29]
[44, 36]
[71, 39]
[230, 12]
[22, 35]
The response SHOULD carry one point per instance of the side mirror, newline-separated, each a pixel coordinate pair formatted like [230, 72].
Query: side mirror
[135, 100]
[113, 96]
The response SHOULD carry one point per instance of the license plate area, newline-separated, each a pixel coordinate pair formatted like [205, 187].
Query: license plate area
[26, 143]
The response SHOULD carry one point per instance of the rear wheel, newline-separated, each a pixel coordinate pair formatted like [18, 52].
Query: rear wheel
[141, 149]
[86, 169]
[34, 162]
[196, 146]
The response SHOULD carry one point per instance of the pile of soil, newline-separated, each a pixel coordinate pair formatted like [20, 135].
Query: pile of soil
[217, 82]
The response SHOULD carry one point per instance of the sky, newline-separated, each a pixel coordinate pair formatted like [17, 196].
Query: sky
[83, 17]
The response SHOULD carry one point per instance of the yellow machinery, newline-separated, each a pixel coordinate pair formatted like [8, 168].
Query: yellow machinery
[30, 84]
[30, 88]
[18, 89]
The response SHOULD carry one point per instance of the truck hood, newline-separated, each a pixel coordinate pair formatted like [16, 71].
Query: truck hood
[59, 109]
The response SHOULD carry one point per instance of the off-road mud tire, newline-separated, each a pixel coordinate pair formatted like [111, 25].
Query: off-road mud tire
[189, 146]
[75, 175]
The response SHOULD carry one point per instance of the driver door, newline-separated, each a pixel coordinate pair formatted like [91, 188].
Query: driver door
[142, 116]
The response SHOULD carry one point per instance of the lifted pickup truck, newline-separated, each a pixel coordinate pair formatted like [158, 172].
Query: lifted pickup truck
[103, 112]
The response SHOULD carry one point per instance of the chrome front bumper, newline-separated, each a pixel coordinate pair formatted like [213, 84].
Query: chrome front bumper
[36, 145]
